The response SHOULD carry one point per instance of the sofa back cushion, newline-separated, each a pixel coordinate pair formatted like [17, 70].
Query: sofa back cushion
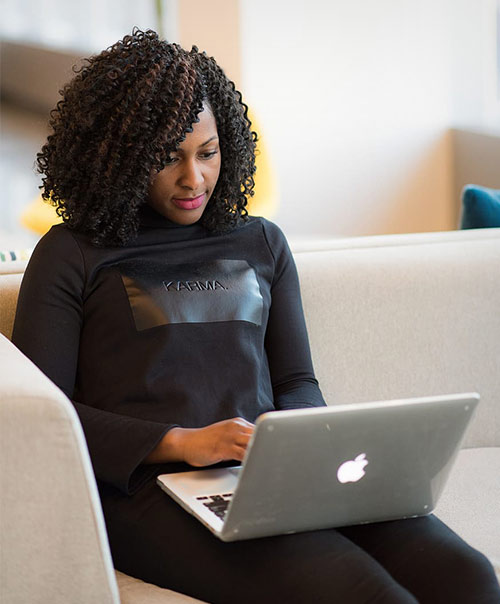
[408, 320]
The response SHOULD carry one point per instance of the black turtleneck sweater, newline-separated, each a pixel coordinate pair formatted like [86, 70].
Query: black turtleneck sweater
[179, 327]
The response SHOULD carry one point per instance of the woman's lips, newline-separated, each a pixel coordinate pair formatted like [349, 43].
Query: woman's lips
[189, 204]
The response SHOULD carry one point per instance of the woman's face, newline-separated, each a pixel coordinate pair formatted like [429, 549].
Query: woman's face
[181, 191]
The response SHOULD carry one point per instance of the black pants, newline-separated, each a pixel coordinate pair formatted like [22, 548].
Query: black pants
[419, 560]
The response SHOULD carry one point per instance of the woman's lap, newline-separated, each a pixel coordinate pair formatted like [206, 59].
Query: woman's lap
[153, 538]
[429, 559]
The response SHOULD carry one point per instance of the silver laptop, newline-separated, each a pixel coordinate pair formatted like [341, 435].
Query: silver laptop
[332, 466]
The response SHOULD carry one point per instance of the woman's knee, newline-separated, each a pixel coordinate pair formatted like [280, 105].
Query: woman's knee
[471, 577]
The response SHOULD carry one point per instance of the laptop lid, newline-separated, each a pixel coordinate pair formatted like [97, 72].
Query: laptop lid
[333, 466]
[341, 465]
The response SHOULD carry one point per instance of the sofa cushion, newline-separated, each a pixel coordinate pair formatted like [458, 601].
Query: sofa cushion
[16, 266]
[9, 292]
[389, 322]
[480, 207]
[469, 504]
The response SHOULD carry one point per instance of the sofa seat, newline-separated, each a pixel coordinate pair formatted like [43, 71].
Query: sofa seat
[470, 502]
[388, 317]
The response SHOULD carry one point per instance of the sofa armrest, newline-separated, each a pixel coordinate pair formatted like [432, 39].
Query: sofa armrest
[54, 543]
[9, 292]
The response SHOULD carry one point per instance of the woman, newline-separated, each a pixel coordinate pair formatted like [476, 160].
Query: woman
[172, 319]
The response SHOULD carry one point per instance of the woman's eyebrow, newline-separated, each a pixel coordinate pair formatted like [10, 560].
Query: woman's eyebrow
[212, 138]
[209, 140]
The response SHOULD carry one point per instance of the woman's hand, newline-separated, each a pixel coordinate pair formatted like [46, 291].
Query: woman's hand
[217, 442]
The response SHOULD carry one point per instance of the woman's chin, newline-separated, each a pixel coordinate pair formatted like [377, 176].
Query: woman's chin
[185, 217]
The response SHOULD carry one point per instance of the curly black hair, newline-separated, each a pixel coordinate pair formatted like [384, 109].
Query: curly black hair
[125, 111]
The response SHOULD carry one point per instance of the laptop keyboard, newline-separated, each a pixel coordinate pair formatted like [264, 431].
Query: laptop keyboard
[217, 504]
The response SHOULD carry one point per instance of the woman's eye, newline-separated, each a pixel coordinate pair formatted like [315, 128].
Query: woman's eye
[208, 154]
[170, 160]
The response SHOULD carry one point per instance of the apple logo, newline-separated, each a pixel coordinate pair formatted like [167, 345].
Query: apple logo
[353, 469]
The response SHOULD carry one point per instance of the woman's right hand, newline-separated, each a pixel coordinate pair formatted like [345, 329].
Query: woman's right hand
[222, 441]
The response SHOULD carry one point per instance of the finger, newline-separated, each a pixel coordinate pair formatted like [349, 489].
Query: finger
[243, 422]
[238, 453]
[242, 440]
[233, 429]
[246, 429]
[245, 432]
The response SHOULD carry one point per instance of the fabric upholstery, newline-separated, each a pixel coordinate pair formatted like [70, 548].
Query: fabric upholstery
[9, 291]
[299, 244]
[400, 321]
[388, 317]
[470, 501]
[53, 537]
[16, 266]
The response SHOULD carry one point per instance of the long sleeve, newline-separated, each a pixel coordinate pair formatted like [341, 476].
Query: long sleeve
[47, 330]
[286, 342]
[180, 327]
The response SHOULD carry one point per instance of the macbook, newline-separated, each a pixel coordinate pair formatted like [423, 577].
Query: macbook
[325, 467]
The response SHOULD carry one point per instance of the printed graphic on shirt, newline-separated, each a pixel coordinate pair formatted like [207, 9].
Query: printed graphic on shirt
[205, 292]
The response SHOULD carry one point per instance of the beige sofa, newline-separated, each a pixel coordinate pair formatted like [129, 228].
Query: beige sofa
[388, 317]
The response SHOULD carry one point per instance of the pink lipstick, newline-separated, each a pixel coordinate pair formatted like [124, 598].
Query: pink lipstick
[189, 204]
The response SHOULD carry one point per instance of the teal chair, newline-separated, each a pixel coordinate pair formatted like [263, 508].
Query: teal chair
[480, 207]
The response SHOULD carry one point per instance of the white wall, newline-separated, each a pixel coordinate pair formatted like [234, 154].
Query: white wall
[354, 100]
[475, 85]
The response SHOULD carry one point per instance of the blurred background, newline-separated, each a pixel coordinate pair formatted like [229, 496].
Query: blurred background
[372, 116]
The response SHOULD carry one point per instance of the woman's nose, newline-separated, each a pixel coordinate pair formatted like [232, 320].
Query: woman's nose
[191, 175]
